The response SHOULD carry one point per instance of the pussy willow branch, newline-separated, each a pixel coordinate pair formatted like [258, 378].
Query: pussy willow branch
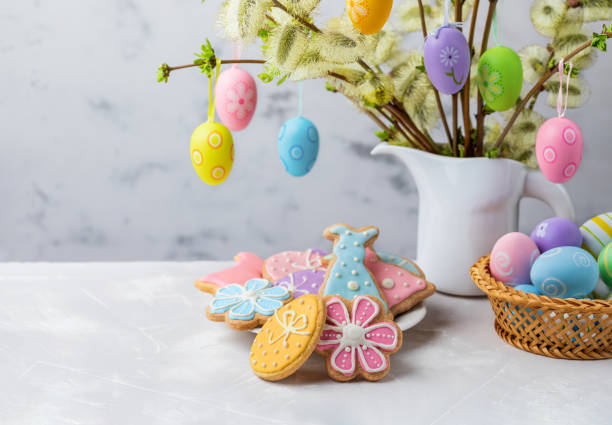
[458, 5]
[536, 88]
[436, 94]
[169, 69]
[480, 114]
[465, 93]
[298, 18]
[535, 96]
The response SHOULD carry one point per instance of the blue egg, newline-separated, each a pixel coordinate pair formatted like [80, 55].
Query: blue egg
[530, 289]
[298, 146]
[565, 272]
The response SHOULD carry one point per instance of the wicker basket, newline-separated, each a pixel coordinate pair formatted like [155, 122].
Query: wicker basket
[553, 327]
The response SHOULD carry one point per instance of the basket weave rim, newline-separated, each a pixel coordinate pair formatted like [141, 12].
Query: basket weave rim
[482, 277]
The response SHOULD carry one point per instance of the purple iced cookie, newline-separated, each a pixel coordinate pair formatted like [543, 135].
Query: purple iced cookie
[302, 282]
[556, 232]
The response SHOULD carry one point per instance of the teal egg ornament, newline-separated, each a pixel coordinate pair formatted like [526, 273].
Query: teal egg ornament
[298, 146]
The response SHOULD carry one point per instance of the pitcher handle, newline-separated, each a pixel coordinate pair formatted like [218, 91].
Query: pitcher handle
[555, 195]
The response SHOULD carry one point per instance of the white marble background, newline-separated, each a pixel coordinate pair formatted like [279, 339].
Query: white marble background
[94, 160]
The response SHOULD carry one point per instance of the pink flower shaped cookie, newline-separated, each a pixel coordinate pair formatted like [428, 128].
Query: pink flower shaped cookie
[401, 288]
[248, 266]
[286, 262]
[359, 343]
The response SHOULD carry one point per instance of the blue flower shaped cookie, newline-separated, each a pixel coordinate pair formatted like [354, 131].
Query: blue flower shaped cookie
[247, 307]
[347, 274]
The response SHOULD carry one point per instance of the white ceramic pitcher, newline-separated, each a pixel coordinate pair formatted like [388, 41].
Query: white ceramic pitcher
[465, 205]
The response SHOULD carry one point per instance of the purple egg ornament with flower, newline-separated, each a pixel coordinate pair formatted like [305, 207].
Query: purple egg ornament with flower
[447, 59]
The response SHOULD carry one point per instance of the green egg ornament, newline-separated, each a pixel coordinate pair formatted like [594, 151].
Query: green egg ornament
[500, 77]
[605, 265]
[212, 152]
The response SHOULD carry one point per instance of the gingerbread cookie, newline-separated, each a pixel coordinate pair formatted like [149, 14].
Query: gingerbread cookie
[246, 307]
[287, 340]
[302, 282]
[402, 289]
[347, 274]
[248, 266]
[358, 343]
[286, 262]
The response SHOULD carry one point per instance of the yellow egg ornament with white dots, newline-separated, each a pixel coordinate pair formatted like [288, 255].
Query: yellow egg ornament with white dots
[212, 152]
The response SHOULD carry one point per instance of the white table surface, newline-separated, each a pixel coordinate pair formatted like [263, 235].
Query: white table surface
[129, 343]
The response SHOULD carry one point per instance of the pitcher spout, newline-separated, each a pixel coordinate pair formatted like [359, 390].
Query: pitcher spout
[422, 165]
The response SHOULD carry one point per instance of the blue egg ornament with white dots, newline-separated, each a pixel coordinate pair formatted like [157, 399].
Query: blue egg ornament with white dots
[298, 145]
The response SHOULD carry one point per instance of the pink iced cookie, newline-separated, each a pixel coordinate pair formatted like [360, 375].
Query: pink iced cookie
[286, 262]
[248, 266]
[402, 289]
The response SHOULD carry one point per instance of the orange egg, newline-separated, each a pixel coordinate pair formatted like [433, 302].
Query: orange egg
[369, 16]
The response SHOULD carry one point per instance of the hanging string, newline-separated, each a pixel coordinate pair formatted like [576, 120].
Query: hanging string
[446, 11]
[236, 51]
[300, 97]
[211, 96]
[560, 103]
[497, 24]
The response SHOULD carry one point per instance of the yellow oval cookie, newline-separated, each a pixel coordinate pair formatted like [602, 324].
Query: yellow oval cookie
[288, 338]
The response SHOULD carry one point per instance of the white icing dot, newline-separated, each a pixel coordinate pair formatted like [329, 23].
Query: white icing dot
[285, 344]
[338, 336]
[298, 345]
[356, 243]
[356, 259]
[348, 232]
[276, 351]
[274, 364]
[406, 284]
[286, 356]
[347, 349]
[358, 322]
[301, 301]
[259, 345]
[254, 361]
[400, 273]
[288, 260]
[386, 269]
[395, 297]
[354, 272]
[263, 364]
[342, 246]
[366, 283]
[314, 285]
[343, 264]
[263, 353]
[352, 285]
[338, 275]
[368, 335]
[388, 283]
[284, 269]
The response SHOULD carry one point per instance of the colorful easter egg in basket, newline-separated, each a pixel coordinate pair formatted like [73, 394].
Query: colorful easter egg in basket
[298, 145]
[369, 16]
[236, 98]
[555, 232]
[500, 77]
[597, 233]
[605, 265]
[447, 59]
[512, 257]
[565, 272]
[212, 152]
[559, 149]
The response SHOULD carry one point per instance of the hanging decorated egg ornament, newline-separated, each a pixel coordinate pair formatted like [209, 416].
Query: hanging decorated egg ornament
[212, 152]
[559, 142]
[500, 77]
[236, 98]
[298, 145]
[447, 59]
[369, 16]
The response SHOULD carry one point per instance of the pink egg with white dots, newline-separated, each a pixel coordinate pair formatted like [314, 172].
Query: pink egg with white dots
[512, 257]
[559, 149]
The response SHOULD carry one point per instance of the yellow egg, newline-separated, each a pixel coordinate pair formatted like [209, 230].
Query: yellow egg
[212, 152]
[369, 16]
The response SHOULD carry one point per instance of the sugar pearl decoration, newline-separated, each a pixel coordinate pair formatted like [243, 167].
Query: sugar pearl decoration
[352, 285]
[388, 283]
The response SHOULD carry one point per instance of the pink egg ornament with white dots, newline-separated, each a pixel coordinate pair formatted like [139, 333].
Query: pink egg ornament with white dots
[512, 257]
[236, 98]
[559, 149]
